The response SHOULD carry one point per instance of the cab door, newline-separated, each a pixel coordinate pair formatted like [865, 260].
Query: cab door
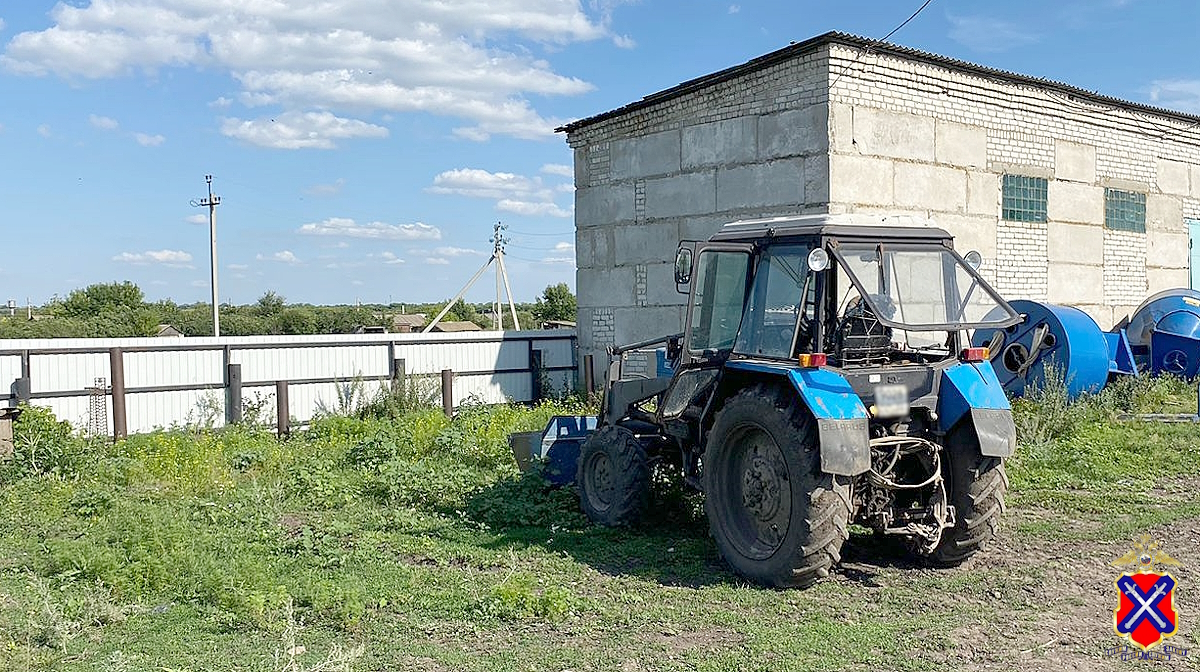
[716, 301]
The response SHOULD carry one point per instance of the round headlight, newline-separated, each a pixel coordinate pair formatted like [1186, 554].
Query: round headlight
[818, 259]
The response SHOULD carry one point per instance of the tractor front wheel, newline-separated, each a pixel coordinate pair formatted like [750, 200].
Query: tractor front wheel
[776, 517]
[613, 477]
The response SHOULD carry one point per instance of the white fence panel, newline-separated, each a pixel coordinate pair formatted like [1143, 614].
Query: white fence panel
[171, 382]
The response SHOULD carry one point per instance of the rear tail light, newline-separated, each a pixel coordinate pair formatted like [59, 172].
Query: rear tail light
[974, 354]
[813, 360]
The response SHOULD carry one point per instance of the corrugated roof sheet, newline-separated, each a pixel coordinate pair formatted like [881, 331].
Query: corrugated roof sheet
[858, 42]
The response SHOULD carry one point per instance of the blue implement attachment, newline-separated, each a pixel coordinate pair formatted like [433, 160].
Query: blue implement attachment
[1061, 337]
[841, 417]
[555, 449]
[1120, 355]
[1145, 319]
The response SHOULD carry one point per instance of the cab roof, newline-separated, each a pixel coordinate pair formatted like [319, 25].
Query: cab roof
[843, 227]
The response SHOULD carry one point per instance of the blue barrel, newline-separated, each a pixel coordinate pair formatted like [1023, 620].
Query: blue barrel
[1144, 323]
[1062, 337]
[1175, 344]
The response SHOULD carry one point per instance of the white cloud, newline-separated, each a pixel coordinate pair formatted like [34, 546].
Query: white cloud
[300, 130]
[221, 103]
[559, 169]
[437, 261]
[2, 24]
[177, 258]
[284, 256]
[1176, 94]
[472, 61]
[390, 258]
[341, 226]
[624, 42]
[239, 267]
[196, 219]
[103, 123]
[44, 130]
[513, 193]
[329, 189]
[559, 260]
[146, 140]
[564, 247]
[734, 9]
[989, 34]
[457, 252]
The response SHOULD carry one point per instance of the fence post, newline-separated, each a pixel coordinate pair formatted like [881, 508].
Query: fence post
[589, 376]
[448, 392]
[283, 417]
[233, 396]
[398, 366]
[535, 370]
[116, 373]
[22, 389]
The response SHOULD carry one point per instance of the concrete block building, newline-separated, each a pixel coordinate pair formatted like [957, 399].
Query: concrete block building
[1070, 196]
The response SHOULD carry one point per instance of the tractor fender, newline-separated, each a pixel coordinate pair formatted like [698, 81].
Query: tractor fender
[840, 415]
[971, 393]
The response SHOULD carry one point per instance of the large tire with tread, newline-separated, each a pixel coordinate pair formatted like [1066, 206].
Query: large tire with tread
[777, 518]
[975, 485]
[613, 477]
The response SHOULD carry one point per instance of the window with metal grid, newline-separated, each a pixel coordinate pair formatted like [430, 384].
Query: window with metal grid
[1124, 210]
[1023, 198]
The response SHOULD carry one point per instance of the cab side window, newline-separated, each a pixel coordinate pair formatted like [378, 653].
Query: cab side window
[720, 295]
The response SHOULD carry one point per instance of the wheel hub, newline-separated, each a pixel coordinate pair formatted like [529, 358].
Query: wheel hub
[601, 482]
[761, 486]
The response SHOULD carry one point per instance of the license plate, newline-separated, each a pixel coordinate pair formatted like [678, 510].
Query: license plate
[891, 401]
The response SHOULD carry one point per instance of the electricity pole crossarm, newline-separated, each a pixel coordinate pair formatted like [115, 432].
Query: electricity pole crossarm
[211, 203]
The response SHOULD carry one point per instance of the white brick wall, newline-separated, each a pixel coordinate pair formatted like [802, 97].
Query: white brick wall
[1124, 267]
[1021, 260]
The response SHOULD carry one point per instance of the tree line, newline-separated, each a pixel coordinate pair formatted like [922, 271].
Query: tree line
[120, 309]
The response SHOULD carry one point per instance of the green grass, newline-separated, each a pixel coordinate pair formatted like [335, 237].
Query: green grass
[413, 543]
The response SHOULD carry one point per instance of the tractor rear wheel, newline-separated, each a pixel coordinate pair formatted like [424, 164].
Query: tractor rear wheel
[976, 485]
[776, 517]
[613, 477]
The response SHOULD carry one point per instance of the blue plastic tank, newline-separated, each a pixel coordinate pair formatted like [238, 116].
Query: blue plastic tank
[1062, 337]
[1168, 318]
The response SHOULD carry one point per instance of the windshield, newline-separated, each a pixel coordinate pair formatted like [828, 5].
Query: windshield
[921, 288]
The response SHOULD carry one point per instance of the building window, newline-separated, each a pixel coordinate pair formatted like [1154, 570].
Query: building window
[1023, 198]
[1124, 210]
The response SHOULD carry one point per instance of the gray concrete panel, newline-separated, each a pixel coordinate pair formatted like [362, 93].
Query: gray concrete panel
[1074, 162]
[654, 154]
[761, 185]
[860, 180]
[1075, 283]
[1074, 242]
[1172, 177]
[1169, 250]
[687, 194]
[604, 287]
[643, 243]
[660, 285]
[581, 167]
[1163, 213]
[1073, 202]
[729, 141]
[635, 324]
[929, 187]
[983, 193]
[793, 133]
[816, 180]
[960, 145]
[605, 204]
[897, 135]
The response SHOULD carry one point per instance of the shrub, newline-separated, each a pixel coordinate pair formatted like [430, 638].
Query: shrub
[43, 444]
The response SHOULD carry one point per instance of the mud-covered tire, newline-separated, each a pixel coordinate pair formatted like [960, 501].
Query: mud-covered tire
[976, 485]
[776, 518]
[613, 477]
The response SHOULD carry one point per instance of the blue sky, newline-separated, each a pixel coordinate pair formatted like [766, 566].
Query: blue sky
[363, 149]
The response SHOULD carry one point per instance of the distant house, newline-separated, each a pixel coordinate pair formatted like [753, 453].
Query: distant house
[448, 327]
[558, 324]
[403, 324]
[168, 331]
[370, 329]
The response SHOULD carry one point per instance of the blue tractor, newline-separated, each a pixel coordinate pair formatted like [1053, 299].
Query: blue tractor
[825, 376]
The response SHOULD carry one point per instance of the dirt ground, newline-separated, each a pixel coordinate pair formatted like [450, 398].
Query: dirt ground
[1065, 622]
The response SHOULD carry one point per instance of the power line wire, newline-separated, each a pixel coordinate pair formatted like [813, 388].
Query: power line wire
[879, 41]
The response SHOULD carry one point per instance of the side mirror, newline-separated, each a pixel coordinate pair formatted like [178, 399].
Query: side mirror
[683, 268]
[974, 259]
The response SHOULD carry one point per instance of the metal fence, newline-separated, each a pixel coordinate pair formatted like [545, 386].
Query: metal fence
[115, 386]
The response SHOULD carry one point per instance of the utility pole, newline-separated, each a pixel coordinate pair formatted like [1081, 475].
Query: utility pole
[211, 203]
[498, 242]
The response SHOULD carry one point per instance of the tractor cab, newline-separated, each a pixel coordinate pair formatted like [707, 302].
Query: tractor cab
[824, 377]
